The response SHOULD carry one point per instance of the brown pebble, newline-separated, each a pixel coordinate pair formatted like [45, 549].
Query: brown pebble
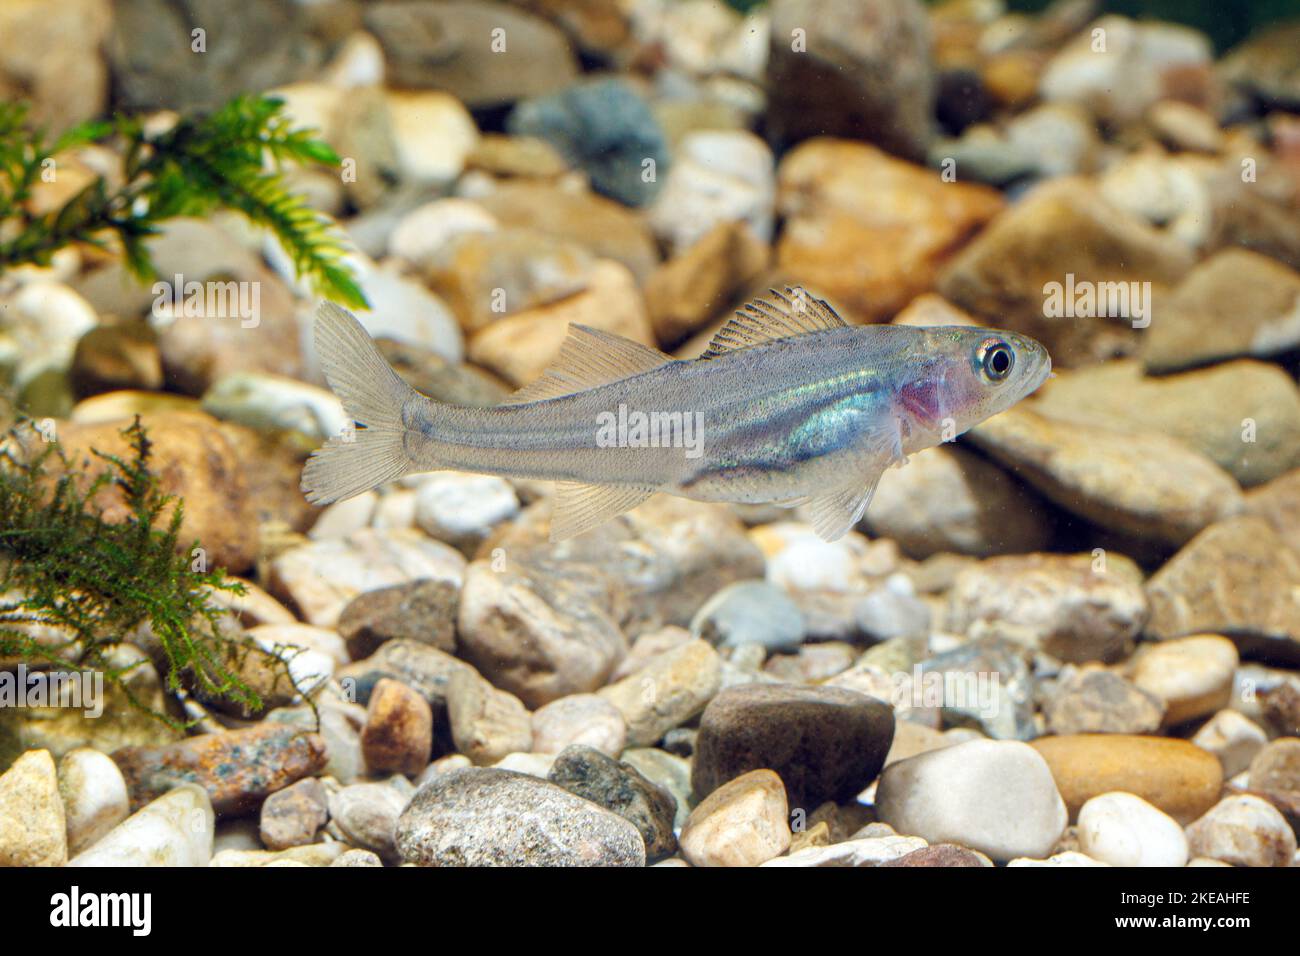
[238, 768]
[398, 735]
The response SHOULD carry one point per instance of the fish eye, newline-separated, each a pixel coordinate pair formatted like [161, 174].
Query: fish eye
[997, 360]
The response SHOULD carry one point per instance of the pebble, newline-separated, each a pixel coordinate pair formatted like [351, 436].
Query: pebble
[620, 787]
[1133, 481]
[984, 684]
[339, 722]
[276, 403]
[422, 233]
[535, 765]
[1232, 737]
[745, 822]
[315, 854]
[1069, 858]
[174, 830]
[462, 510]
[423, 610]
[1124, 830]
[1063, 226]
[648, 646]
[357, 858]
[1139, 57]
[948, 499]
[873, 54]
[521, 346]
[366, 816]
[685, 293]
[33, 831]
[1236, 577]
[870, 851]
[1205, 409]
[486, 275]
[237, 768]
[487, 817]
[750, 612]
[1277, 766]
[1095, 701]
[994, 796]
[1174, 776]
[605, 127]
[398, 735]
[196, 463]
[668, 691]
[94, 796]
[892, 611]
[825, 743]
[294, 815]
[1237, 302]
[1192, 675]
[1060, 604]
[669, 555]
[320, 578]
[943, 854]
[667, 770]
[1243, 830]
[433, 134]
[717, 176]
[541, 631]
[486, 723]
[579, 719]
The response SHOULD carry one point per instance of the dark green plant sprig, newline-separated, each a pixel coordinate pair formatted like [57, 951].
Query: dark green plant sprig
[65, 570]
[202, 163]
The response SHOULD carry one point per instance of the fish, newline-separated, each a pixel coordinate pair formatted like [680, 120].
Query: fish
[789, 404]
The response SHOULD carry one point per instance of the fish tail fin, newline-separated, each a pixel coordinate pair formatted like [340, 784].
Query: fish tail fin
[374, 396]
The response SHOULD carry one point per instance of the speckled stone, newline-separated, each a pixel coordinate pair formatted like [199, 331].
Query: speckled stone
[620, 787]
[294, 815]
[33, 831]
[485, 817]
[238, 768]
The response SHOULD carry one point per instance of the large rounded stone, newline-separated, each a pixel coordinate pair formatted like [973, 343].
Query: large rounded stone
[994, 796]
[480, 816]
[825, 743]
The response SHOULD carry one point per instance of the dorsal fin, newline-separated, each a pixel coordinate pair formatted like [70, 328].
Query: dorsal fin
[778, 316]
[590, 357]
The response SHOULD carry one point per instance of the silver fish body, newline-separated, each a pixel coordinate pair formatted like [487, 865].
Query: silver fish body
[816, 415]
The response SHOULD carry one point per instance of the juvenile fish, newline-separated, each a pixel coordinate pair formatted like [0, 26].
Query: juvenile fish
[789, 404]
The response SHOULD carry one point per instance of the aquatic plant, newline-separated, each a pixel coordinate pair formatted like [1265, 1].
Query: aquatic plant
[65, 570]
[199, 164]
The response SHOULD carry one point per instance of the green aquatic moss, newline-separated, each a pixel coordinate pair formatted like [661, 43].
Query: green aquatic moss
[202, 163]
[97, 583]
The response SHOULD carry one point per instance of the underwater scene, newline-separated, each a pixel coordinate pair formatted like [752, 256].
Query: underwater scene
[627, 433]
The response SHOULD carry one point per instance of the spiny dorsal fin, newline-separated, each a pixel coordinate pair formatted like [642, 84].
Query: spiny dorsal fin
[579, 507]
[590, 357]
[778, 316]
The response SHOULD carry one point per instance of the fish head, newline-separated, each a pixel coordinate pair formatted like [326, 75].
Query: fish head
[970, 374]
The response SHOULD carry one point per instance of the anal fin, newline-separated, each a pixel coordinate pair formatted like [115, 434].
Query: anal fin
[834, 514]
[580, 507]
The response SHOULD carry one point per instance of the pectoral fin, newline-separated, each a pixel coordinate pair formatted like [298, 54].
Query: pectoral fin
[579, 507]
[834, 514]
